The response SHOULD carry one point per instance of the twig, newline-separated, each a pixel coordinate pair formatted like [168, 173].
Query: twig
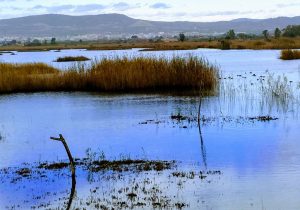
[72, 164]
[61, 139]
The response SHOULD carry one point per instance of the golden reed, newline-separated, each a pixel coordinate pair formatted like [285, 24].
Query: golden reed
[112, 75]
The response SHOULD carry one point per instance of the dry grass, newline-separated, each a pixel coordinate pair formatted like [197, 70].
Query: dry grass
[26, 77]
[71, 58]
[115, 75]
[290, 54]
[281, 43]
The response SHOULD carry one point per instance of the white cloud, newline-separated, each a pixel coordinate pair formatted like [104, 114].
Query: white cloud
[169, 10]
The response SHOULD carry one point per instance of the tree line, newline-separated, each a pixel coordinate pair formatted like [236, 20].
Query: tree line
[289, 31]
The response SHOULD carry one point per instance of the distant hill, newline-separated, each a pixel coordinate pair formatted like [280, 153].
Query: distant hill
[114, 24]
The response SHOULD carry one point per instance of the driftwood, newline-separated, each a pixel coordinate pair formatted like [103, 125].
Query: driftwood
[73, 169]
[203, 149]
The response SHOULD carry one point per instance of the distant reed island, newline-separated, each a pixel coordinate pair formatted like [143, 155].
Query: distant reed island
[113, 75]
[290, 54]
[72, 58]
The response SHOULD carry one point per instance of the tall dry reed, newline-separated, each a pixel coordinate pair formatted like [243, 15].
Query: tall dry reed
[118, 74]
[290, 54]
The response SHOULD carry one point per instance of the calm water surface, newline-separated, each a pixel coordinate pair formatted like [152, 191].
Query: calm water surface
[260, 161]
[231, 61]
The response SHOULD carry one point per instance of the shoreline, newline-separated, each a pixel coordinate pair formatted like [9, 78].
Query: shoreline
[255, 44]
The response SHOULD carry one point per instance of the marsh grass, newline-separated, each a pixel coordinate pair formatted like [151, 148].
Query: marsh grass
[290, 54]
[113, 75]
[259, 43]
[71, 58]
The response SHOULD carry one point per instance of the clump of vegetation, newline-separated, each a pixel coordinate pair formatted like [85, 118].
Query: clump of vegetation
[266, 35]
[292, 31]
[25, 172]
[225, 45]
[179, 117]
[119, 75]
[128, 164]
[53, 166]
[72, 58]
[263, 118]
[27, 77]
[277, 33]
[230, 34]
[182, 37]
[114, 165]
[290, 54]
[278, 90]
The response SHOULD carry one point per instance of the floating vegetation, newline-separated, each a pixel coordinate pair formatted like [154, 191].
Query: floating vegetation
[108, 188]
[263, 118]
[115, 165]
[135, 165]
[152, 122]
[53, 166]
[25, 172]
[192, 121]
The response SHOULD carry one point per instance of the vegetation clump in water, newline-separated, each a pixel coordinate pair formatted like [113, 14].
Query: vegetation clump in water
[113, 75]
[72, 58]
[115, 165]
[263, 118]
[290, 54]
[25, 172]
[53, 166]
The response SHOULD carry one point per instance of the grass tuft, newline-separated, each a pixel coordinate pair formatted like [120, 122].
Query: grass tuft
[71, 58]
[290, 54]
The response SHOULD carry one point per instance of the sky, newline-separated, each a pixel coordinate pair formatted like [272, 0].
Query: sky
[168, 10]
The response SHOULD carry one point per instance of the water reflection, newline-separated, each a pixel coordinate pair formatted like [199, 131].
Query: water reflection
[73, 190]
[203, 149]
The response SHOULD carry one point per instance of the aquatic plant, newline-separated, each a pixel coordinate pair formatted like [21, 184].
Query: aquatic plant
[118, 74]
[71, 58]
[279, 89]
[290, 54]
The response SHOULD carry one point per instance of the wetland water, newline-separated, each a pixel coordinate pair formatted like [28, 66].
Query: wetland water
[259, 160]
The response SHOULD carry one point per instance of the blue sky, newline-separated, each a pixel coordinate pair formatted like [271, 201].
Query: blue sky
[169, 10]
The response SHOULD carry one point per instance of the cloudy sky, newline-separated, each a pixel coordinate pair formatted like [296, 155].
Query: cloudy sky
[169, 10]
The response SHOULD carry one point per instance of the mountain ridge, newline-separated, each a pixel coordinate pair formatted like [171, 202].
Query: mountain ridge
[59, 25]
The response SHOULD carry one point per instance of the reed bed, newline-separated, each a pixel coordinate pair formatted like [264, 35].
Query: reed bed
[290, 54]
[71, 58]
[113, 75]
[259, 43]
